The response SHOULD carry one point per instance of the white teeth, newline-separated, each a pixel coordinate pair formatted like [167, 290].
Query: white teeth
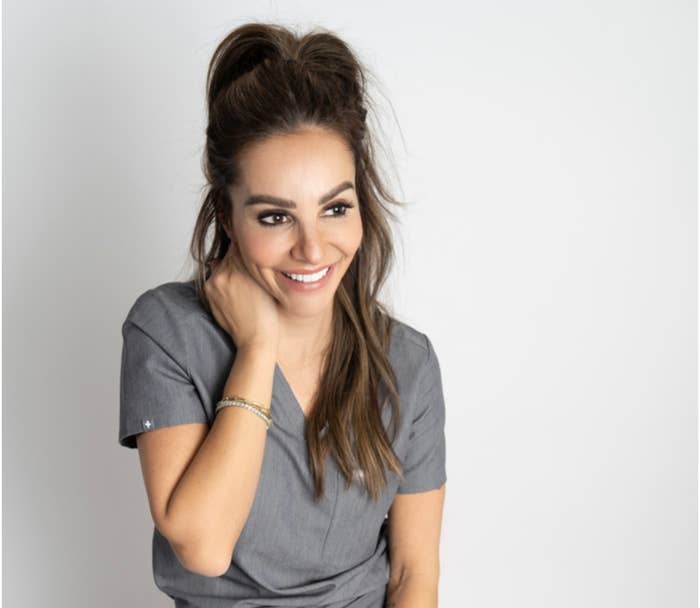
[307, 278]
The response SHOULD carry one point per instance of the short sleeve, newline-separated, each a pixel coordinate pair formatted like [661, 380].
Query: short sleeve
[424, 466]
[155, 390]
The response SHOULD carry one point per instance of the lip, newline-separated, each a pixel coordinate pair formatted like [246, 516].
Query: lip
[319, 269]
[297, 286]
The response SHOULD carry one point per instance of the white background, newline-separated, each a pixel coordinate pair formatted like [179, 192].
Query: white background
[548, 150]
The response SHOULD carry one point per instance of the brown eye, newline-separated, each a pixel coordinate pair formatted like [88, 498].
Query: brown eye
[341, 205]
[339, 210]
[273, 214]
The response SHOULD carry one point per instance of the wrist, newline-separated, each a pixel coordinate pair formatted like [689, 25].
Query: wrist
[258, 348]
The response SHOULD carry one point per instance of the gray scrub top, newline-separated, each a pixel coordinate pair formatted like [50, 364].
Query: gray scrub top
[291, 552]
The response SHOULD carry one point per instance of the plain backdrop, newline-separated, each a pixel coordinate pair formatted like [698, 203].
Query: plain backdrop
[549, 153]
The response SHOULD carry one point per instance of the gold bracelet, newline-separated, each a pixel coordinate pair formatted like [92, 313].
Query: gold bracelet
[253, 403]
[240, 403]
[250, 405]
[224, 402]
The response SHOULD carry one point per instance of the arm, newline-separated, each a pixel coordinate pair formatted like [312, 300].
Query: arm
[415, 521]
[201, 489]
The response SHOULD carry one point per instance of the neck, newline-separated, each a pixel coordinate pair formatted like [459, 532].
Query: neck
[303, 340]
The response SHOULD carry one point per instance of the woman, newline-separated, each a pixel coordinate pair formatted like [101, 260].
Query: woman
[290, 431]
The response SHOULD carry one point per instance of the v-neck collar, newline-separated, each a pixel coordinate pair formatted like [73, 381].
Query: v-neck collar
[288, 404]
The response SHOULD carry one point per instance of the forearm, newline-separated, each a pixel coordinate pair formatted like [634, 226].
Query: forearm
[212, 501]
[412, 591]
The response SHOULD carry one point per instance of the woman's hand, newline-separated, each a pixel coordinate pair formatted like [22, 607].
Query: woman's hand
[240, 305]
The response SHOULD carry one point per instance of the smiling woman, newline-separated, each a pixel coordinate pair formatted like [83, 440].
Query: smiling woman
[290, 429]
[282, 225]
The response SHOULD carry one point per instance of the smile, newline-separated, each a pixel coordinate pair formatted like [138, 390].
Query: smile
[307, 278]
[306, 282]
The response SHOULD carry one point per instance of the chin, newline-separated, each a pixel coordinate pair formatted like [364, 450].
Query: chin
[308, 312]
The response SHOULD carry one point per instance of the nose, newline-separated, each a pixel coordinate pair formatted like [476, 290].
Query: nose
[309, 245]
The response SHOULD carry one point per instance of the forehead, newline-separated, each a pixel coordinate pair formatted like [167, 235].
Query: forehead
[302, 164]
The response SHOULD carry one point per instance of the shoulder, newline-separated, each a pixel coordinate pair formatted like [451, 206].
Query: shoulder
[407, 336]
[411, 350]
[172, 304]
[165, 313]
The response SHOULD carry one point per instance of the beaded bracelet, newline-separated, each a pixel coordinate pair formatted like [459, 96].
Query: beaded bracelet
[266, 417]
[252, 406]
[260, 406]
[255, 404]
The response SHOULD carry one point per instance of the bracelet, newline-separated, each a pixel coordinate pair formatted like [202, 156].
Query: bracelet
[236, 399]
[248, 401]
[266, 417]
[251, 406]
[257, 412]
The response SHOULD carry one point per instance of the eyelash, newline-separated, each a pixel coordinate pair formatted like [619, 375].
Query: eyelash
[342, 204]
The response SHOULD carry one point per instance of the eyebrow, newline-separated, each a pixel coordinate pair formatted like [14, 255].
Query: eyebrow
[260, 199]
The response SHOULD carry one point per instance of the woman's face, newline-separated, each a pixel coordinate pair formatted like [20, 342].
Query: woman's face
[315, 224]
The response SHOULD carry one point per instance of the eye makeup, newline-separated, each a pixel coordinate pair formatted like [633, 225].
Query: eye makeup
[344, 205]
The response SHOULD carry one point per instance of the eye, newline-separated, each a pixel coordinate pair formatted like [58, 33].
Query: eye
[273, 214]
[341, 207]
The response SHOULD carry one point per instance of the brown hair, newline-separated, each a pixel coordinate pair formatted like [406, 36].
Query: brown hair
[264, 80]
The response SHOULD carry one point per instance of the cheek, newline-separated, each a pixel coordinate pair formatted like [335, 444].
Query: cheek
[353, 237]
[258, 249]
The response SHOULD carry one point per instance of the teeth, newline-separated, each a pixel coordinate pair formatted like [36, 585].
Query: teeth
[307, 278]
